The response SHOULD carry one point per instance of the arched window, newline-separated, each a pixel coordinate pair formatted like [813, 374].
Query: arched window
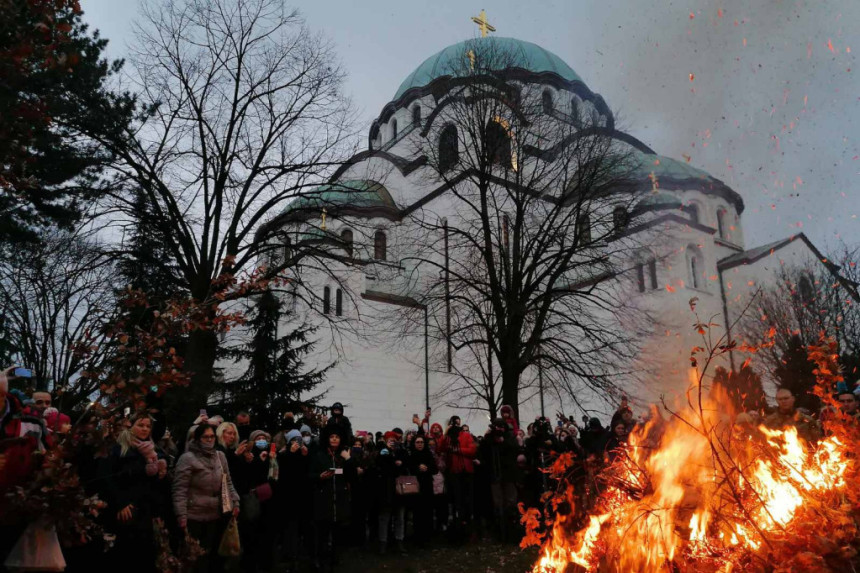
[574, 111]
[416, 115]
[449, 148]
[498, 144]
[652, 272]
[338, 302]
[326, 300]
[595, 118]
[693, 210]
[619, 218]
[380, 246]
[583, 228]
[546, 101]
[346, 238]
[807, 294]
[695, 267]
[393, 129]
[721, 223]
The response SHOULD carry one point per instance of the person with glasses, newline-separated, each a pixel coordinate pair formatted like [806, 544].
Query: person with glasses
[200, 500]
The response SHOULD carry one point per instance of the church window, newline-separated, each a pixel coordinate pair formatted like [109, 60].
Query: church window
[498, 144]
[695, 267]
[574, 111]
[546, 101]
[326, 300]
[393, 129]
[338, 302]
[640, 276]
[416, 115]
[449, 153]
[721, 223]
[619, 218]
[652, 272]
[583, 228]
[380, 246]
[595, 118]
[806, 292]
[346, 238]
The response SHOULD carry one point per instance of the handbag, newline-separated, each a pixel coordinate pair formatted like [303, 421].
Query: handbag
[406, 485]
[230, 545]
[263, 491]
[226, 500]
[438, 483]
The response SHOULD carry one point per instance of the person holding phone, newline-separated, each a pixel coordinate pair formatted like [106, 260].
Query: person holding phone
[136, 491]
[292, 505]
[330, 472]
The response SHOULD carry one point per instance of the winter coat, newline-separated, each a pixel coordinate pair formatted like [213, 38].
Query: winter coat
[197, 484]
[292, 487]
[388, 471]
[126, 483]
[498, 455]
[807, 427]
[342, 425]
[425, 479]
[331, 496]
[458, 454]
[20, 437]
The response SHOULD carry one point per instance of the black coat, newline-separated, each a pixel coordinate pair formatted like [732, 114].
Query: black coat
[498, 455]
[126, 483]
[291, 491]
[331, 496]
[425, 479]
[387, 472]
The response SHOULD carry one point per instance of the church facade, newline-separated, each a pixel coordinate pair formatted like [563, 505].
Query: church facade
[690, 225]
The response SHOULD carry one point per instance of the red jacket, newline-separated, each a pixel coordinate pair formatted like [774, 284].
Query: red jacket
[459, 454]
[20, 436]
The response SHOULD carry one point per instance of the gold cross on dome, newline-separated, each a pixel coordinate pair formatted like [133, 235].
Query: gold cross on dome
[481, 21]
[324, 213]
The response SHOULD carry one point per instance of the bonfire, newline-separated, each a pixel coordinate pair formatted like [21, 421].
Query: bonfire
[701, 488]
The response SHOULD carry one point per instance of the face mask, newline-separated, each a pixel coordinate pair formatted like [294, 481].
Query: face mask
[261, 444]
[306, 440]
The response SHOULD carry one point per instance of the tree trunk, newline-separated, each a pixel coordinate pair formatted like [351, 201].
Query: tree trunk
[511, 388]
[184, 403]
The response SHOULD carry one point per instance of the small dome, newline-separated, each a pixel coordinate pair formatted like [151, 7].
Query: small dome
[357, 194]
[528, 56]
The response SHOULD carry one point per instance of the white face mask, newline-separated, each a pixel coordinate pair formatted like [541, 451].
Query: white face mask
[306, 440]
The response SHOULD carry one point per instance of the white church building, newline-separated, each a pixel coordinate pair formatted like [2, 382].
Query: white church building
[383, 376]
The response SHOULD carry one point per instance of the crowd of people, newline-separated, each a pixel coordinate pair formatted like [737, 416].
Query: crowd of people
[300, 492]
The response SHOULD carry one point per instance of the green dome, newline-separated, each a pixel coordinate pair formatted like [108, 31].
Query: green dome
[449, 61]
[357, 194]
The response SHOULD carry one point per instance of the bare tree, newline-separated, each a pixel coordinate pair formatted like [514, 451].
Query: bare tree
[807, 301]
[54, 298]
[516, 263]
[243, 110]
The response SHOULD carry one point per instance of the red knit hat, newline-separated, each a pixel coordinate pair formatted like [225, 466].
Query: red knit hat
[390, 435]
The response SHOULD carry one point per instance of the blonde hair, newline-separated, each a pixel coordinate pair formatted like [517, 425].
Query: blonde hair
[125, 437]
[219, 433]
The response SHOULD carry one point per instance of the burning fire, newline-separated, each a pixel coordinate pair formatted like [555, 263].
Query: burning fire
[698, 492]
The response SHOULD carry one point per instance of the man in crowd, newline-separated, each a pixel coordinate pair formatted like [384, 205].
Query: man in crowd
[243, 424]
[787, 415]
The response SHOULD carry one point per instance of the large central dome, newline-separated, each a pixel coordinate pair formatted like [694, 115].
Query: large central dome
[526, 55]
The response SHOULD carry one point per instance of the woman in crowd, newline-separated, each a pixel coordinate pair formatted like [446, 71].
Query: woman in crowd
[440, 493]
[291, 500]
[203, 493]
[136, 492]
[390, 464]
[259, 526]
[422, 464]
[330, 472]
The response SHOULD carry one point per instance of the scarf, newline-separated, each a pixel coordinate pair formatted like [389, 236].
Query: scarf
[147, 450]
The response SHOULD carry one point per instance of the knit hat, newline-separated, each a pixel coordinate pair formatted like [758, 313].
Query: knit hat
[293, 435]
[390, 435]
[337, 406]
[305, 429]
[436, 426]
[55, 421]
[257, 433]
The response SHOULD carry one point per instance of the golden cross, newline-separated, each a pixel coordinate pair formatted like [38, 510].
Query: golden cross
[323, 219]
[471, 55]
[481, 20]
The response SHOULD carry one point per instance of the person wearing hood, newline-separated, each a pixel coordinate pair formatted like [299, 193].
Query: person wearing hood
[459, 449]
[137, 490]
[422, 464]
[290, 422]
[203, 494]
[498, 454]
[330, 472]
[291, 501]
[594, 437]
[507, 413]
[341, 423]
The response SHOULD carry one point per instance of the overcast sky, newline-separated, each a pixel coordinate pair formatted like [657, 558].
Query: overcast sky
[763, 94]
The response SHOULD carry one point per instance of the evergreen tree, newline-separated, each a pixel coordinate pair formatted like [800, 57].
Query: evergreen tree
[796, 373]
[276, 379]
[743, 389]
